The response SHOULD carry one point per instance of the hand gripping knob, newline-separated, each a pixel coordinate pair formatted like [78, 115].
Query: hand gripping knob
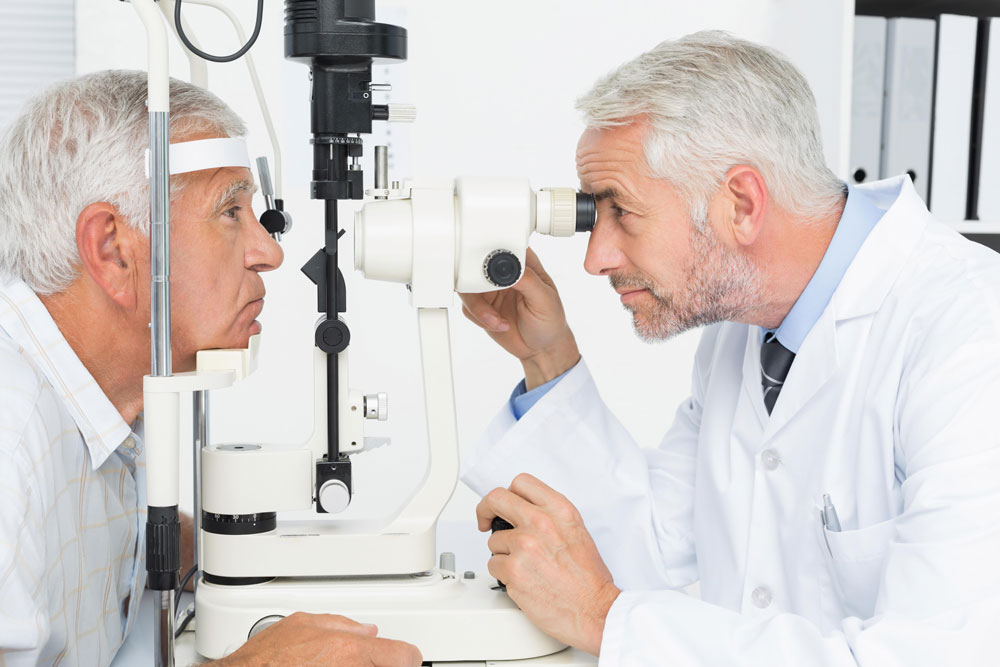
[500, 524]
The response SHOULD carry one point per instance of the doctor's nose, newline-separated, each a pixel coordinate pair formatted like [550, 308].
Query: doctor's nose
[603, 255]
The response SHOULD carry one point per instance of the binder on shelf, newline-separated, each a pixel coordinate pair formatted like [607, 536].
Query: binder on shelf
[868, 87]
[909, 85]
[956, 53]
[989, 176]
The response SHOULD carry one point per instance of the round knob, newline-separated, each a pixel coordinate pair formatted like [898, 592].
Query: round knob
[502, 268]
[334, 496]
[447, 562]
[377, 406]
[264, 624]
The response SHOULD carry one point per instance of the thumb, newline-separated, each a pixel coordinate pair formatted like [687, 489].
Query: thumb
[531, 286]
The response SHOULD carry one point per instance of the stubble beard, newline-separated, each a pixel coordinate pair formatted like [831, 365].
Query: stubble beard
[720, 284]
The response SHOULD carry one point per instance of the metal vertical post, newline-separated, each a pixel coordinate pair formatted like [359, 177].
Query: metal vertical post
[200, 439]
[159, 242]
[160, 362]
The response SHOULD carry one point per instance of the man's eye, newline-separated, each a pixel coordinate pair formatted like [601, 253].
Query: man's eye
[232, 212]
[619, 212]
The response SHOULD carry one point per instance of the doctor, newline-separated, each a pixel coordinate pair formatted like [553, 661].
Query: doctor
[833, 481]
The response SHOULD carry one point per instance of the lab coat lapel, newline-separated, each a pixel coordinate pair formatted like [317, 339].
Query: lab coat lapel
[861, 292]
[753, 393]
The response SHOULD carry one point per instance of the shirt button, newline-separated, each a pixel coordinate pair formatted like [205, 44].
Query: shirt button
[761, 597]
[770, 459]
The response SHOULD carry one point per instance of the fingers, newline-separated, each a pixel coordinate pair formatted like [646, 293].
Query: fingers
[501, 542]
[477, 309]
[536, 491]
[531, 285]
[504, 504]
[394, 653]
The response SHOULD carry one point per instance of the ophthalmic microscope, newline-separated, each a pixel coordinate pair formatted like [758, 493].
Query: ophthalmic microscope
[469, 235]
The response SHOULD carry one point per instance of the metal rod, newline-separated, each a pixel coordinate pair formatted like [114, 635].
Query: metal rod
[200, 413]
[978, 115]
[264, 174]
[332, 313]
[381, 170]
[163, 638]
[159, 242]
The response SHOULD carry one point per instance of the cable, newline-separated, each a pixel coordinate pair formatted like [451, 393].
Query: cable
[255, 80]
[187, 577]
[183, 624]
[208, 56]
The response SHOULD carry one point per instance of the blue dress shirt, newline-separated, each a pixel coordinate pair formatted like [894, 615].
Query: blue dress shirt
[858, 219]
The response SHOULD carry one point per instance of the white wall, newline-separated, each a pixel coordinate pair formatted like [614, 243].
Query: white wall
[36, 48]
[494, 84]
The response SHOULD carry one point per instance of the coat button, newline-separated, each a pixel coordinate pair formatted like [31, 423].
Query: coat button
[761, 597]
[770, 459]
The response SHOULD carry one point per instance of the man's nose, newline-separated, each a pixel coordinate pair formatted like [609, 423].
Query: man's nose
[603, 255]
[263, 252]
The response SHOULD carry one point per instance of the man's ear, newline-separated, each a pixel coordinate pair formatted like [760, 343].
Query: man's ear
[746, 200]
[107, 252]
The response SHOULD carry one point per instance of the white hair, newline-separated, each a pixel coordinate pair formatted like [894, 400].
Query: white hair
[84, 141]
[713, 101]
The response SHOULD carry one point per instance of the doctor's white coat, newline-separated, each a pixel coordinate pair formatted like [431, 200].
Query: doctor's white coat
[892, 407]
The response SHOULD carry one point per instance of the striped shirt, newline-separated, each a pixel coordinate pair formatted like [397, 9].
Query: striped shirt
[72, 499]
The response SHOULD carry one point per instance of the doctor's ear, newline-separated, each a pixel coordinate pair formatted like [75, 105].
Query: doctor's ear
[744, 202]
[107, 246]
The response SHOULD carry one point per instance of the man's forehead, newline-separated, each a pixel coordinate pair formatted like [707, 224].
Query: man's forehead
[223, 177]
[610, 156]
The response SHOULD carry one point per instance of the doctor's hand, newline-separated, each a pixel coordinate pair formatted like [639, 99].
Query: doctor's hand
[528, 321]
[549, 562]
[322, 639]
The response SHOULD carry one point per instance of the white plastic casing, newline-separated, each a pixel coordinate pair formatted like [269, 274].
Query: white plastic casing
[460, 225]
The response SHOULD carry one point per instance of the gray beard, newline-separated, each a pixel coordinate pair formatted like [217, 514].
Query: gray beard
[720, 285]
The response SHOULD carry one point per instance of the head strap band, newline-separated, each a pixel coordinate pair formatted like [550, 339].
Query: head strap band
[201, 154]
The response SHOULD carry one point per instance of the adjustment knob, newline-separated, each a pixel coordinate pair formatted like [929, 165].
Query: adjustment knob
[334, 496]
[502, 268]
[500, 524]
[401, 113]
[264, 624]
[377, 406]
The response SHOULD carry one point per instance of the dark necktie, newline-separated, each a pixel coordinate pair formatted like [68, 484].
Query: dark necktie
[775, 360]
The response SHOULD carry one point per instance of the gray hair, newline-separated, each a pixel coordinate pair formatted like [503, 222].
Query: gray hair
[84, 141]
[713, 101]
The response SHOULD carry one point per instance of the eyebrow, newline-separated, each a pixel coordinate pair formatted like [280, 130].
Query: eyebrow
[229, 194]
[614, 194]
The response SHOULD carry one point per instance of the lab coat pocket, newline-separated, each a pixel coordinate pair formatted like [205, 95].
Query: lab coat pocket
[856, 559]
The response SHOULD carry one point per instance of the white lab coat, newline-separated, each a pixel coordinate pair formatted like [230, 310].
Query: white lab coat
[892, 407]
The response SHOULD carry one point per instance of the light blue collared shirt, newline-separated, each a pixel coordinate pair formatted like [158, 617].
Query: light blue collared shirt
[856, 222]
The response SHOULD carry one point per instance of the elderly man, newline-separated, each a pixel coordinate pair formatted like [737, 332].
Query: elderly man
[74, 346]
[833, 481]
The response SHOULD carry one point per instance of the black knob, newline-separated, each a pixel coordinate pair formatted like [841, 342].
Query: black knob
[502, 268]
[332, 336]
[500, 524]
[274, 221]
